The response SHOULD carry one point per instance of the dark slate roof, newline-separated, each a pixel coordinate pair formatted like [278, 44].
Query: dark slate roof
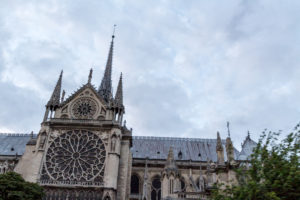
[157, 148]
[12, 144]
[194, 149]
[247, 148]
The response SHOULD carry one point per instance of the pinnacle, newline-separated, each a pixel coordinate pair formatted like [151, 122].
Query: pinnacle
[119, 93]
[55, 97]
[219, 146]
[170, 155]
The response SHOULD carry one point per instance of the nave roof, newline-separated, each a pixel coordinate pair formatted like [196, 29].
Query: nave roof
[156, 148]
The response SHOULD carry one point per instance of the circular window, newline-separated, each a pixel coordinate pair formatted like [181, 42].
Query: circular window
[76, 156]
[84, 108]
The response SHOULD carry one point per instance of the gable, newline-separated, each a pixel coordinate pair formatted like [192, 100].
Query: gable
[85, 103]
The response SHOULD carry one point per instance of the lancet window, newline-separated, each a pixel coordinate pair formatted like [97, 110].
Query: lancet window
[156, 188]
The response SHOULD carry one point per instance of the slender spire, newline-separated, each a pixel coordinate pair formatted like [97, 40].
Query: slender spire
[119, 93]
[90, 75]
[105, 89]
[55, 97]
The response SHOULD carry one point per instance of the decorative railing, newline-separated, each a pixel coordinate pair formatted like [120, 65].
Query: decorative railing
[192, 195]
[70, 183]
[85, 121]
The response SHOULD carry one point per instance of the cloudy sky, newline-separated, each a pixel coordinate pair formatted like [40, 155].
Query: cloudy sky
[189, 66]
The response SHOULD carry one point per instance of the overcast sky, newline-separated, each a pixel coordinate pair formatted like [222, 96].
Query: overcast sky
[188, 66]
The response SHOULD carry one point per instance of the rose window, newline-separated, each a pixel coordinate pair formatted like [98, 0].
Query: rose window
[84, 108]
[76, 156]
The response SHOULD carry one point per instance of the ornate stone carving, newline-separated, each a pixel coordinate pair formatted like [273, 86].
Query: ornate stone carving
[113, 143]
[42, 140]
[75, 157]
[84, 108]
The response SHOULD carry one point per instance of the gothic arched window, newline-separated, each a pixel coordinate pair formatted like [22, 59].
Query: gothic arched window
[182, 185]
[156, 188]
[135, 184]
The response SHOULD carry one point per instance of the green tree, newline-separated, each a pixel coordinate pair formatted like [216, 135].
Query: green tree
[14, 187]
[273, 173]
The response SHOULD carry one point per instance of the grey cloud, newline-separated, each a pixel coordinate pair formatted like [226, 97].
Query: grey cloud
[188, 67]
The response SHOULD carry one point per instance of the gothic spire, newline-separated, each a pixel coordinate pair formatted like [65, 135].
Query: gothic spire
[119, 93]
[105, 89]
[55, 97]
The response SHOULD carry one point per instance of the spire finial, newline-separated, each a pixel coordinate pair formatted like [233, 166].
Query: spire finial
[90, 75]
[228, 129]
[248, 134]
[113, 35]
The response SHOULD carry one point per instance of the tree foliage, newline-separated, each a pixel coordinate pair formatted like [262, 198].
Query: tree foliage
[14, 187]
[272, 174]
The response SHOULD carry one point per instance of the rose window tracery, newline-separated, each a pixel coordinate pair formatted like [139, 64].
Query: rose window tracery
[76, 156]
[84, 108]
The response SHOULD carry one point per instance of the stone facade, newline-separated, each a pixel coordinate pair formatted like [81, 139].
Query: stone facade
[85, 151]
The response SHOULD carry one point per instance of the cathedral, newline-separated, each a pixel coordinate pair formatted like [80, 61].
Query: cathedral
[85, 151]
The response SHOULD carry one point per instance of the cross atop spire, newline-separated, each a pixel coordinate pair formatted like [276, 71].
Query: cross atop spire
[105, 89]
[55, 97]
[113, 35]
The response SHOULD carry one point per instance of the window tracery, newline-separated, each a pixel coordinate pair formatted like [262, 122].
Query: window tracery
[76, 156]
[84, 108]
[156, 188]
